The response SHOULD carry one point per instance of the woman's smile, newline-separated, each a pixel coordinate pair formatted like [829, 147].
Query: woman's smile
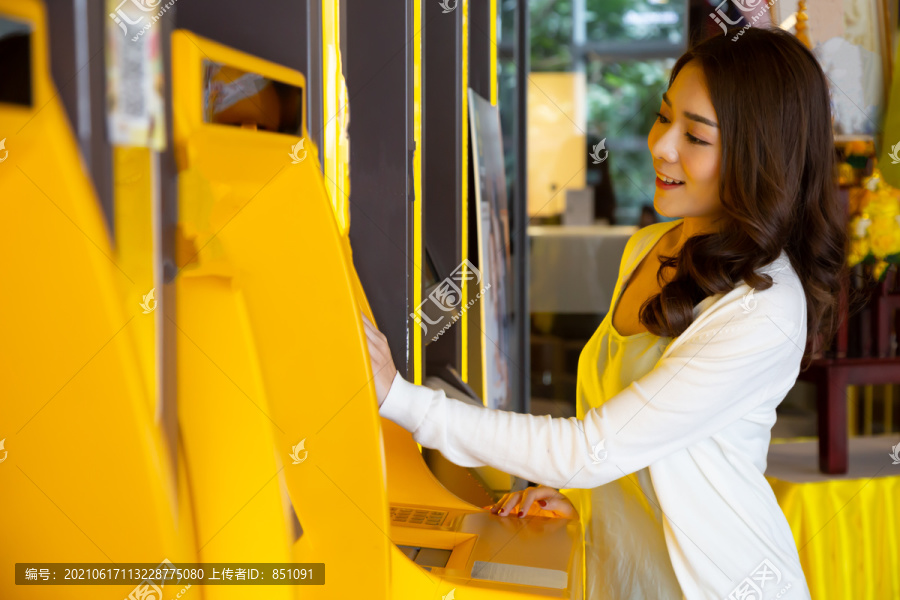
[668, 184]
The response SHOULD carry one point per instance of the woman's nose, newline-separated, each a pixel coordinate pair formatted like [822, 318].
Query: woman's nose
[663, 147]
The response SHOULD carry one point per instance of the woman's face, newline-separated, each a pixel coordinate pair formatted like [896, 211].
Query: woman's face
[686, 146]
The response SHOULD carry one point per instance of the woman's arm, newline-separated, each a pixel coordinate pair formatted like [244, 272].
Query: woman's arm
[724, 371]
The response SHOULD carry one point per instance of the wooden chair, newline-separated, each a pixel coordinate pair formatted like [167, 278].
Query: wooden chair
[861, 353]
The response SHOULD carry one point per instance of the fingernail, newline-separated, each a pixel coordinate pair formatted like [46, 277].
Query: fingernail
[520, 514]
[542, 502]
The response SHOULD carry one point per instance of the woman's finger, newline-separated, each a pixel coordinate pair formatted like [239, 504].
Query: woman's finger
[374, 350]
[377, 347]
[383, 369]
[528, 499]
[557, 503]
[366, 320]
[510, 504]
[561, 508]
[370, 327]
[495, 507]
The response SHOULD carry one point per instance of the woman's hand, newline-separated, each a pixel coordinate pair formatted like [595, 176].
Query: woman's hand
[382, 363]
[541, 500]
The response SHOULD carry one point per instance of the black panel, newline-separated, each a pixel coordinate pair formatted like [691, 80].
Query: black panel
[480, 47]
[519, 214]
[442, 166]
[271, 29]
[314, 87]
[379, 69]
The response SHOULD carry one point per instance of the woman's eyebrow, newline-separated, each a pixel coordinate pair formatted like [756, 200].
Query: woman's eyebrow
[692, 116]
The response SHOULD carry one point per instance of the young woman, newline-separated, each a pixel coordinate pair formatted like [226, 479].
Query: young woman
[711, 318]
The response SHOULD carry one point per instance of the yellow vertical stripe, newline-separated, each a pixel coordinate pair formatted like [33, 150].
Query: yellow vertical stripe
[494, 52]
[417, 187]
[464, 321]
[334, 152]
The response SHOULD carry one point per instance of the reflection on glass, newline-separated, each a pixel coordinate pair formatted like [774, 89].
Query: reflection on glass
[632, 20]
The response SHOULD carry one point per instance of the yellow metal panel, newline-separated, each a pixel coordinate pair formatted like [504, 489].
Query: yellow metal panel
[133, 196]
[225, 408]
[223, 415]
[85, 478]
[267, 225]
[336, 145]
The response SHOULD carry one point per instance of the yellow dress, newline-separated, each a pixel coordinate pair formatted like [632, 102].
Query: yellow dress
[625, 548]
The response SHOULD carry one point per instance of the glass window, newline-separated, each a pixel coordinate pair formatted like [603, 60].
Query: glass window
[619, 21]
[626, 51]
[623, 98]
[15, 66]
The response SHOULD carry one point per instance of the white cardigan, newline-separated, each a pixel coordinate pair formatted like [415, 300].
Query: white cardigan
[701, 420]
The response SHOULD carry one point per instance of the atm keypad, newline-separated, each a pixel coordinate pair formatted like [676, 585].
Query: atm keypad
[412, 516]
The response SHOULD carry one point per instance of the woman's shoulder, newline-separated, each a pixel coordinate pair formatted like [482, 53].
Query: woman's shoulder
[783, 303]
[654, 231]
[646, 236]
[786, 298]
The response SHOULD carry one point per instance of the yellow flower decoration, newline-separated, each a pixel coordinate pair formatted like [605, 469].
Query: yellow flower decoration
[874, 225]
[884, 236]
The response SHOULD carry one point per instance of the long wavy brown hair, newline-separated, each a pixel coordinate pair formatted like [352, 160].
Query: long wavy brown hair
[776, 184]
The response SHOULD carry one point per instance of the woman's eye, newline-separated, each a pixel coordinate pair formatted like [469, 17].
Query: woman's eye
[690, 138]
[694, 140]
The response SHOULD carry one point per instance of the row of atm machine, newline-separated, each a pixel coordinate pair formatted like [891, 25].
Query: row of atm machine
[184, 371]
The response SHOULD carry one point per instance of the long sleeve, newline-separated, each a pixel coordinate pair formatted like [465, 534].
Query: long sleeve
[722, 372]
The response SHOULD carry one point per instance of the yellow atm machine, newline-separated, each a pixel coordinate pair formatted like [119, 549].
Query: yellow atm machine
[279, 454]
[84, 470]
[267, 289]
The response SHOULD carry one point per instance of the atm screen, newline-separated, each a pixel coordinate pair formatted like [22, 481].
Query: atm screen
[235, 97]
[15, 64]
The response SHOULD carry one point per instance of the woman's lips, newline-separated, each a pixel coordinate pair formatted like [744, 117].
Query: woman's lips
[666, 186]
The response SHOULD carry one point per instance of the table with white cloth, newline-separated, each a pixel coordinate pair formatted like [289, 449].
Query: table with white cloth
[573, 269]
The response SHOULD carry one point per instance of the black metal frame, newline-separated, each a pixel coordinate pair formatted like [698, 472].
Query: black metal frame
[379, 65]
[442, 161]
[77, 40]
[519, 212]
[315, 110]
